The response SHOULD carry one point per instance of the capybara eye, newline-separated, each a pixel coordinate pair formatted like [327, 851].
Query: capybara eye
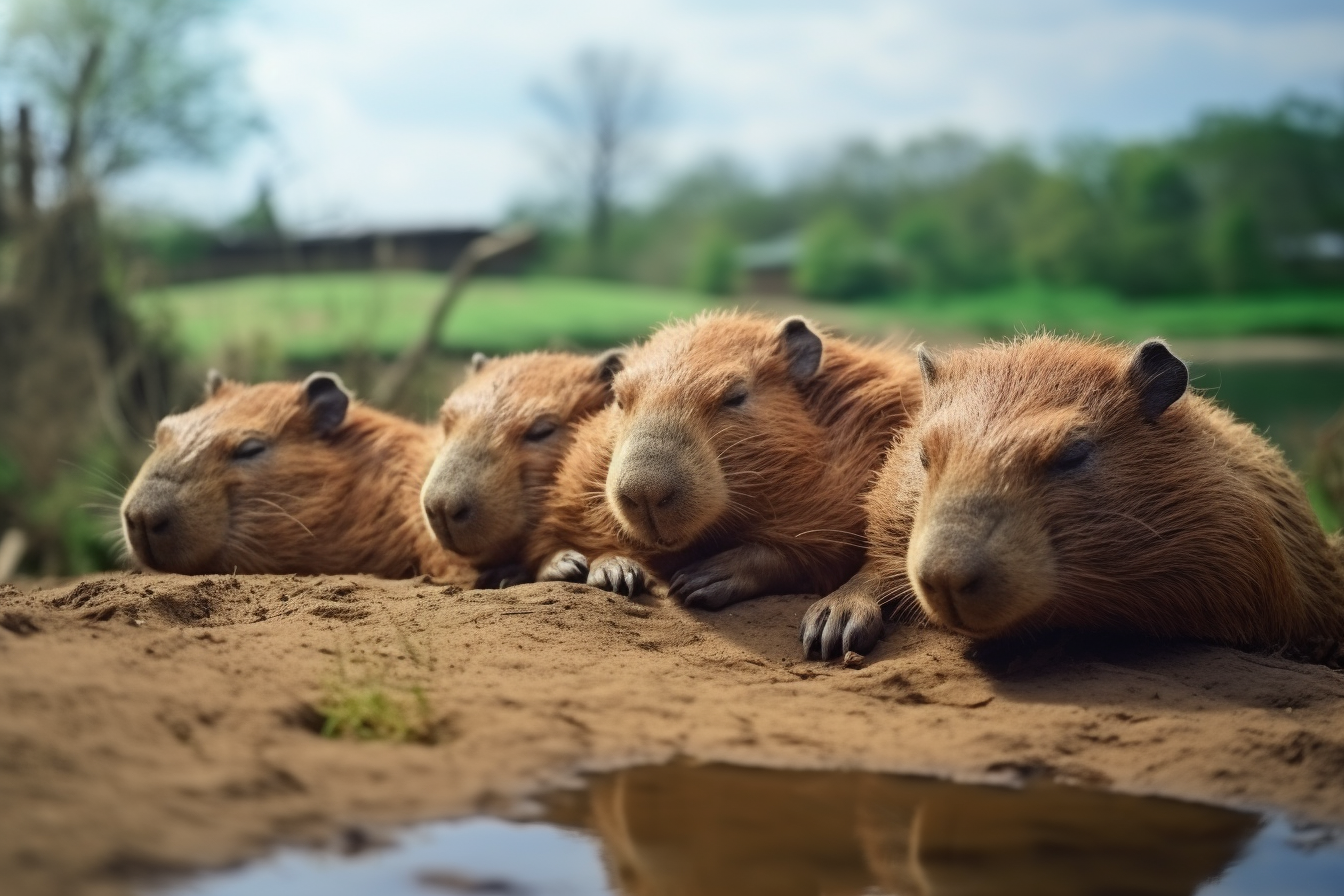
[1074, 455]
[923, 457]
[735, 398]
[249, 448]
[540, 430]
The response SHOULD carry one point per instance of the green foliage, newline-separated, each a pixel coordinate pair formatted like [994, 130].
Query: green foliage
[837, 260]
[714, 268]
[128, 81]
[1209, 209]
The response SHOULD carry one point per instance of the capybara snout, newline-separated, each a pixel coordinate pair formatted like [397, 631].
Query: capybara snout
[980, 564]
[665, 485]
[158, 531]
[506, 430]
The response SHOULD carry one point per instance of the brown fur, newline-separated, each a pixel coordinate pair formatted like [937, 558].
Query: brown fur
[342, 502]
[767, 492]
[1189, 524]
[484, 494]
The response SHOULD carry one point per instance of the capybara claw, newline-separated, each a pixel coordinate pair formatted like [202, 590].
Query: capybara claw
[839, 623]
[565, 566]
[503, 576]
[620, 575]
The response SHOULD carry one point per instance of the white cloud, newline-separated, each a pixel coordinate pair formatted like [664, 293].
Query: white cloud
[416, 110]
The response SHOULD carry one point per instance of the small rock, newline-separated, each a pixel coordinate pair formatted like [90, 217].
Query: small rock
[852, 660]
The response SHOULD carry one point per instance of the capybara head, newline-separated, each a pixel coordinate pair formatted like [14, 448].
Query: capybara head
[506, 430]
[699, 410]
[1033, 471]
[206, 500]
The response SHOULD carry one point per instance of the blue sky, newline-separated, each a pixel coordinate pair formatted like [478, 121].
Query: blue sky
[417, 111]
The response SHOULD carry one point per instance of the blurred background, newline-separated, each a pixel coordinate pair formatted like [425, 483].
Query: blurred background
[275, 186]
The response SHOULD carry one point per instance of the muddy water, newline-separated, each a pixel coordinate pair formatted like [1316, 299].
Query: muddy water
[686, 830]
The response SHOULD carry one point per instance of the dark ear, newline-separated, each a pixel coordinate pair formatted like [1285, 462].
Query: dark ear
[1158, 376]
[802, 347]
[927, 369]
[213, 380]
[477, 362]
[327, 400]
[609, 363]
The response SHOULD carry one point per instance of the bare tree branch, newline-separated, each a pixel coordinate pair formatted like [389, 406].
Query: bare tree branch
[392, 384]
[602, 107]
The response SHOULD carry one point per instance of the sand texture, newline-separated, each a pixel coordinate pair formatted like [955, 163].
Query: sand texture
[156, 724]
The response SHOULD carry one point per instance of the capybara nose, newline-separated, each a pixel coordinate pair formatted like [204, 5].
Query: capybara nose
[647, 495]
[149, 526]
[458, 512]
[951, 579]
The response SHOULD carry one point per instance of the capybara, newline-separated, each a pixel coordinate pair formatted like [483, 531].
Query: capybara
[1062, 483]
[506, 429]
[285, 478]
[729, 464]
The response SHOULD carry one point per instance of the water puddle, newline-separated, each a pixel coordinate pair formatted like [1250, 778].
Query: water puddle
[686, 830]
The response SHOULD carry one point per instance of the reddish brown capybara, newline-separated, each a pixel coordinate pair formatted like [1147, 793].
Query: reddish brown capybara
[285, 478]
[506, 429]
[729, 464]
[1062, 483]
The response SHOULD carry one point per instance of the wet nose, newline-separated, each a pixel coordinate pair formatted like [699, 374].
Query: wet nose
[153, 521]
[953, 577]
[448, 514]
[647, 494]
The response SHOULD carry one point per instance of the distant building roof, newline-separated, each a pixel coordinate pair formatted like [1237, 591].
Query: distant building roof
[780, 252]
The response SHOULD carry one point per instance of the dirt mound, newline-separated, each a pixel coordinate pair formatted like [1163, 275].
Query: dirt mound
[151, 724]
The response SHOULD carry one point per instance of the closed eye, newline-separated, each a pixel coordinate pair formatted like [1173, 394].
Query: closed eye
[542, 429]
[735, 398]
[1072, 457]
[249, 448]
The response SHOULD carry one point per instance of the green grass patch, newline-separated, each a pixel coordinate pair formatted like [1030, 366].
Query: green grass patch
[1027, 308]
[374, 711]
[325, 315]
[312, 316]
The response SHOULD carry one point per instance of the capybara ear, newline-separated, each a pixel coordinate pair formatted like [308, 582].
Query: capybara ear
[1158, 376]
[477, 362]
[327, 400]
[927, 368]
[801, 346]
[609, 363]
[213, 380]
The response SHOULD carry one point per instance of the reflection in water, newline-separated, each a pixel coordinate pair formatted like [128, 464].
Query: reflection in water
[686, 830]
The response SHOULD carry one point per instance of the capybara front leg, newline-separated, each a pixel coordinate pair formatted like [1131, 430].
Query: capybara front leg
[619, 574]
[564, 566]
[735, 575]
[849, 618]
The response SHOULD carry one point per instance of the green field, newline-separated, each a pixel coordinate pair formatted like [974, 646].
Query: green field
[315, 316]
[326, 315]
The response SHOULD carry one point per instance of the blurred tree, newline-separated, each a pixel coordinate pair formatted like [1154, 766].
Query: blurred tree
[602, 107]
[121, 83]
[1157, 212]
[1063, 235]
[837, 260]
[714, 267]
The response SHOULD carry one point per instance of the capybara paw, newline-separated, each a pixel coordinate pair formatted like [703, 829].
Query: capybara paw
[503, 576]
[619, 574]
[839, 623]
[564, 566]
[706, 586]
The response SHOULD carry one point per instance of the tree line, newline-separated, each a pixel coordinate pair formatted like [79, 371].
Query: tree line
[1238, 202]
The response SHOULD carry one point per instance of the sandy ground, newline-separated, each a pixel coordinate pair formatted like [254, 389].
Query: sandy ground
[156, 724]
